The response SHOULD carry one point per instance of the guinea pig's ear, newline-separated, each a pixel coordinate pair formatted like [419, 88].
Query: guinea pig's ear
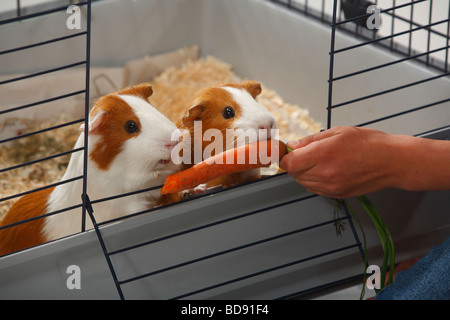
[95, 122]
[143, 90]
[253, 87]
[192, 114]
[146, 90]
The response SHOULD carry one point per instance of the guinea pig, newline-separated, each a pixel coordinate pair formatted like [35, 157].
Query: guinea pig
[130, 145]
[233, 111]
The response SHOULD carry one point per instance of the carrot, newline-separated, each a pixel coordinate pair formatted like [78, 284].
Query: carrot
[250, 156]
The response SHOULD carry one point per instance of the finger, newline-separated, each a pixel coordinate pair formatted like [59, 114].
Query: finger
[322, 192]
[310, 139]
[319, 193]
[298, 161]
[316, 189]
[312, 187]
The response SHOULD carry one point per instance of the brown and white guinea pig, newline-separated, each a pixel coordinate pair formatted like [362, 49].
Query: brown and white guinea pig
[230, 108]
[129, 149]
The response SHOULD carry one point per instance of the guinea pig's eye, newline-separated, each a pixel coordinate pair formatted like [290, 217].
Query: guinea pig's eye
[131, 127]
[228, 113]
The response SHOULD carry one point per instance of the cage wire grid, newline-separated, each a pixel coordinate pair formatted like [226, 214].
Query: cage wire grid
[404, 24]
[415, 30]
[84, 62]
[85, 202]
[406, 53]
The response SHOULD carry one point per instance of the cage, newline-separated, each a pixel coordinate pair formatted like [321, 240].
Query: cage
[268, 239]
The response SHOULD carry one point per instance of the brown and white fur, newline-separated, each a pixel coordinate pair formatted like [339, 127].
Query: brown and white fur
[212, 107]
[129, 150]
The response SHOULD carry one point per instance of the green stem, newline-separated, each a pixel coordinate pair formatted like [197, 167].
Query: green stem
[385, 237]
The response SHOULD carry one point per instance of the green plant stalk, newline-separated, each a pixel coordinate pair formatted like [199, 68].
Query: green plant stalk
[385, 237]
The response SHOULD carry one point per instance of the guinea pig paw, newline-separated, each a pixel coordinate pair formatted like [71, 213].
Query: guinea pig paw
[201, 188]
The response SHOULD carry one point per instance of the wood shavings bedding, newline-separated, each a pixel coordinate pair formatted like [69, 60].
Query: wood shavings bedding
[173, 89]
[32, 148]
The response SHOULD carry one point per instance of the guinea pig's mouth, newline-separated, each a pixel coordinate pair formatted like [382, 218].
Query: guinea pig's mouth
[164, 161]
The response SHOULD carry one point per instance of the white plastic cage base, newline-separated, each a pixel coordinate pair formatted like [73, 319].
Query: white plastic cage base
[295, 263]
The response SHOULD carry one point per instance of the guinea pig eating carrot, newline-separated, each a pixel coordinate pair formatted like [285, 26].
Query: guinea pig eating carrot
[231, 111]
[130, 145]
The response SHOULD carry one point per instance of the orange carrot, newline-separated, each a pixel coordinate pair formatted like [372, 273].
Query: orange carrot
[250, 156]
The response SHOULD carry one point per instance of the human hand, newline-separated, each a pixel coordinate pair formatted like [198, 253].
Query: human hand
[343, 161]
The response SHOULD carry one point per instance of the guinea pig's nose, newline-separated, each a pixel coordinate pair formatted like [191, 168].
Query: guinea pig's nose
[267, 127]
